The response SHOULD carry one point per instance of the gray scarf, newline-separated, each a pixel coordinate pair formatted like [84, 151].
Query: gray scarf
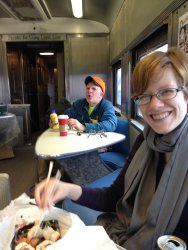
[146, 212]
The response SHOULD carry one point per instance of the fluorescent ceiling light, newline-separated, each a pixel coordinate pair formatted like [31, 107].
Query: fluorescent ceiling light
[77, 8]
[46, 53]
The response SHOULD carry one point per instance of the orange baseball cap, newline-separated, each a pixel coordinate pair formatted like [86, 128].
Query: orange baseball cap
[97, 81]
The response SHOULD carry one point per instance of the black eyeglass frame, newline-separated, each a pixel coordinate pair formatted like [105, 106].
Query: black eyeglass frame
[137, 99]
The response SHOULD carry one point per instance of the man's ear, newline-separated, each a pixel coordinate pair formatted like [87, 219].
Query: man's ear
[102, 94]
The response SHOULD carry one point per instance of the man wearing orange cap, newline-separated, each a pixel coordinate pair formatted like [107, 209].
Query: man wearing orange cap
[92, 112]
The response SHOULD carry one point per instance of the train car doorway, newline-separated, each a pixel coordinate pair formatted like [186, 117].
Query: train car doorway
[33, 78]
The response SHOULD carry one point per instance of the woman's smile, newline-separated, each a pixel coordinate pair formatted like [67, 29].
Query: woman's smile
[161, 115]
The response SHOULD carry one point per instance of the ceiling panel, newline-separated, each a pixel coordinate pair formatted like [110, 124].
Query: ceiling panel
[102, 11]
[60, 8]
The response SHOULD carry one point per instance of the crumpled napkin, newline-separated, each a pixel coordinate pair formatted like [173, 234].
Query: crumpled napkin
[86, 238]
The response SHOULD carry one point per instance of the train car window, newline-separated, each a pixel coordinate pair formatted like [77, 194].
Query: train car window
[117, 84]
[161, 48]
[158, 41]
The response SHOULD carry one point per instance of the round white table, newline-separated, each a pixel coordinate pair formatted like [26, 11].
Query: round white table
[50, 145]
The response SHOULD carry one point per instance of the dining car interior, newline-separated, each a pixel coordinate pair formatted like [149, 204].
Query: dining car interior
[47, 50]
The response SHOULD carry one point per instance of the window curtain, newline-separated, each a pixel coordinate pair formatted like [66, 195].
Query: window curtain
[4, 80]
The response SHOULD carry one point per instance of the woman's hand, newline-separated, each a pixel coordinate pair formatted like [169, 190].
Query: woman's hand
[47, 194]
[76, 124]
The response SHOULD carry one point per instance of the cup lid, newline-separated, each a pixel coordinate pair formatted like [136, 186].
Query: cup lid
[63, 117]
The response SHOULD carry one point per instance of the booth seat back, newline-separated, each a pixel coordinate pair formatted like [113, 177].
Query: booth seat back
[122, 128]
[117, 155]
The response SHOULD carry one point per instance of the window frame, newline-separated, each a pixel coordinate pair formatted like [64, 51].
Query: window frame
[116, 67]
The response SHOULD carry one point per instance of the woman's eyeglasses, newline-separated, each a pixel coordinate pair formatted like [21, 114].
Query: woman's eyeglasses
[162, 94]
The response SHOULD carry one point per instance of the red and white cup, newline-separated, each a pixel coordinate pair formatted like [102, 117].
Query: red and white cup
[63, 124]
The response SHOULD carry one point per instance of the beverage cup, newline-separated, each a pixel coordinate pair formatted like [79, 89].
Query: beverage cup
[63, 124]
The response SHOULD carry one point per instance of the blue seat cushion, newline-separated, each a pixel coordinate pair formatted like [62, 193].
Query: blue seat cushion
[106, 180]
[87, 215]
[122, 128]
[114, 159]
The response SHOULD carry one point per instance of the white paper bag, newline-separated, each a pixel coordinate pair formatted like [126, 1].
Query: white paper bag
[86, 238]
[75, 235]
[20, 209]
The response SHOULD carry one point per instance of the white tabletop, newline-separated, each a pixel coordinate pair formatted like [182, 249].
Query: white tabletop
[51, 145]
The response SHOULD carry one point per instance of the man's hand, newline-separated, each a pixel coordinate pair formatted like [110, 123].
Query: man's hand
[76, 124]
[50, 123]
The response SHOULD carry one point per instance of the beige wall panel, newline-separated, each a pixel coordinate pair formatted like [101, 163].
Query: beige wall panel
[133, 18]
[84, 56]
[118, 34]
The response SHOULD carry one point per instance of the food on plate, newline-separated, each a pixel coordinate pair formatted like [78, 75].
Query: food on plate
[35, 232]
[34, 241]
[24, 246]
[33, 236]
[44, 244]
[50, 234]
[21, 232]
